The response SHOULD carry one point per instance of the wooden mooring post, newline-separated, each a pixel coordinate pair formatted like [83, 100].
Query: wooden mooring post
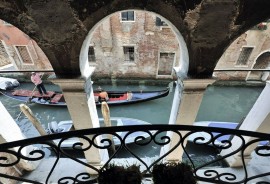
[29, 114]
[107, 121]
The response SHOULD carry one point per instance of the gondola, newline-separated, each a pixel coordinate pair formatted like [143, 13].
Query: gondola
[54, 98]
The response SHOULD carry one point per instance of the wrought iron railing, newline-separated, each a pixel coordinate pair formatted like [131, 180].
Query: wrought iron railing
[206, 170]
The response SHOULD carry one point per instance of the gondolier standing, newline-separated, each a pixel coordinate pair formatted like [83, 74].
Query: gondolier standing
[36, 79]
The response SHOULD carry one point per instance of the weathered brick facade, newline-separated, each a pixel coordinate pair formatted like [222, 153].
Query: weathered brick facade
[148, 40]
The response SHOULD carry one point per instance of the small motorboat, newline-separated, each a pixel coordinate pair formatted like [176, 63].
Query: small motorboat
[8, 83]
[65, 126]
[54, 98]
[217, 124]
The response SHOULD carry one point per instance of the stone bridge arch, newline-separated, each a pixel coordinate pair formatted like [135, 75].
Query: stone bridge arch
[60, 27]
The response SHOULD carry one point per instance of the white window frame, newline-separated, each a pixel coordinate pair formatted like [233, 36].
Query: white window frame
[34, 54]
[20, 57]
[134, 15]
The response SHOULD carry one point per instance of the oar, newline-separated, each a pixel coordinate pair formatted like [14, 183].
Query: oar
[28, 100]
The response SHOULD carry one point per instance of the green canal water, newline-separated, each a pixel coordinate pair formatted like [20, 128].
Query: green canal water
[220, 103]
[228, 103]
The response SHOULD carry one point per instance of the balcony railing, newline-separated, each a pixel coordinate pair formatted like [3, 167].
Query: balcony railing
[96, 138]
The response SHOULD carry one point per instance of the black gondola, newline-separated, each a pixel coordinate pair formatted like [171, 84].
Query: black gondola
[57, 99]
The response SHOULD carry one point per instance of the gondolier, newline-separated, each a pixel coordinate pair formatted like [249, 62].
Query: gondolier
[36, 79]
[56, 98]
[103, 96]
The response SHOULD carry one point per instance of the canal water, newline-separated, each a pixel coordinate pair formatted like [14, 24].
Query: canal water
[228, 103]
[156, 111]
[220, 103]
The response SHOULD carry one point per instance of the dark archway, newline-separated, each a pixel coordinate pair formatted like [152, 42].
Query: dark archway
[208, 27]
[262, 62]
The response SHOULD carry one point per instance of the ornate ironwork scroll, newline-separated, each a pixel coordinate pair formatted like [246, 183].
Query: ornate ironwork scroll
[226, 143]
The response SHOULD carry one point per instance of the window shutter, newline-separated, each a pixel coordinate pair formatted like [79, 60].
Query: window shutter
[244, 56]
[24, 54]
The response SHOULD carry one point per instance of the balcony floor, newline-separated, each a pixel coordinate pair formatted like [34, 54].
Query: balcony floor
[67, 167]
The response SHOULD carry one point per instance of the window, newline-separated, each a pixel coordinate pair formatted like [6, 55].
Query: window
[129, 54]
[160, 22]
[165, 65]
[24, 54]
[127, 16]
[91, 54]
[244, 56]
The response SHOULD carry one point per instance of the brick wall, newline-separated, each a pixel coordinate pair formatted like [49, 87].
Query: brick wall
[148, 40]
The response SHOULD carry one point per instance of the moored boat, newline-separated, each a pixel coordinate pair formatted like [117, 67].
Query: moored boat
[8, 83]
[57, 99]
[220, 140]
[65, 126]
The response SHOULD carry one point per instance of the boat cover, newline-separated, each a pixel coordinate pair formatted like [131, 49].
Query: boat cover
[8, 83]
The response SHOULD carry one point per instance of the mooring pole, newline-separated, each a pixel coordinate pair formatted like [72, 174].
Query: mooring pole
[107, 121]
[29, 114]
[27, 111]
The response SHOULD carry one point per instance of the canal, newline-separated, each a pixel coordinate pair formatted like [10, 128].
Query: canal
[220, 103]
[155, 112]
[149, 111]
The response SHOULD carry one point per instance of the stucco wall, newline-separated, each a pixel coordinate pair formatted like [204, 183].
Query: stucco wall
[11, 37]
[259, 40]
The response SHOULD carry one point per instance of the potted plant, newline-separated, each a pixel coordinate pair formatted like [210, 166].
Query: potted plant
[173, 173]
[114, 174]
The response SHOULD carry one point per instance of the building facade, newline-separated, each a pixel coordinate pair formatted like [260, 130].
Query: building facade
[249, 51]
[19, 50]
[139, 45]
[131, 44]
[134, 44]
